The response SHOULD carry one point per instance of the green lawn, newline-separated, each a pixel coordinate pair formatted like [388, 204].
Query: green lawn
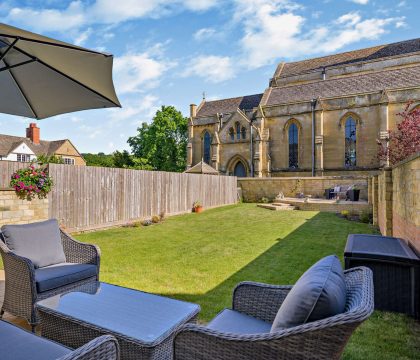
[200, 258]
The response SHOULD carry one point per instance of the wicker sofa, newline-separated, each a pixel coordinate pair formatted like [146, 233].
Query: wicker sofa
[19, 344]
[321, 339]
[25, 284]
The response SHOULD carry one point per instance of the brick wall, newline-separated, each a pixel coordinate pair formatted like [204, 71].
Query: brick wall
[398, 201]
[253, 189]
[16, 211]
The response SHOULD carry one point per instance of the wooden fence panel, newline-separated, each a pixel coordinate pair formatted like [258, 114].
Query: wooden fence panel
[7, 168]
[86, 198]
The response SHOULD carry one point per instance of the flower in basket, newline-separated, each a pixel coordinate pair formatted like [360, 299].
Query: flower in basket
[31, 182]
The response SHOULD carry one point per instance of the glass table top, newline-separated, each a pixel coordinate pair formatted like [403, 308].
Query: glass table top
[131, 313]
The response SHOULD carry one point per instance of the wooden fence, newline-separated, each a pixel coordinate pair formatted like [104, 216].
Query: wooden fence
[86, 198]
[7, 168]
[92, 197]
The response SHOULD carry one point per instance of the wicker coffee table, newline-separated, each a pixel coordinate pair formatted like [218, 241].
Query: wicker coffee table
[143, 323]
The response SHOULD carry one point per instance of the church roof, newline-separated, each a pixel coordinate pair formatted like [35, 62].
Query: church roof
[202, 168]
[351, 85]
[349, 57]
[8, 143]
[230, 105]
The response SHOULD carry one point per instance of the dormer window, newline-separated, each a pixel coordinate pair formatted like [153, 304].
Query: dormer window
[23, 157]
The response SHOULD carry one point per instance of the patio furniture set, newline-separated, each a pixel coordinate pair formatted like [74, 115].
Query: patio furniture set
[53, 280]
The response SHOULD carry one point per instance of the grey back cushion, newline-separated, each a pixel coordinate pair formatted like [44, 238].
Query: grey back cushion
[319, 293]
[40, 242]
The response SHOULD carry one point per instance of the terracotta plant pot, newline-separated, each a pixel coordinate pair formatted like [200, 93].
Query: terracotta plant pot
[198, 209]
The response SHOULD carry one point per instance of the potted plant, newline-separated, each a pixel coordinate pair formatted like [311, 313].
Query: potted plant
[353, 193]
[197, 207]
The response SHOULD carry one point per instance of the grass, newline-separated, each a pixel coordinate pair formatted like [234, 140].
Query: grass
[201, 257]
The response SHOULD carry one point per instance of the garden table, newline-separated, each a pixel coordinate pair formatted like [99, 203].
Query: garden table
[143, 323]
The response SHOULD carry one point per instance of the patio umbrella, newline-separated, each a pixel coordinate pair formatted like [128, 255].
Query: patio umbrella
[41, 77]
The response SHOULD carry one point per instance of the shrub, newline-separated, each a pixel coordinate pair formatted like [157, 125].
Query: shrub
[404, 140]
[162, 216]
[31, 182]
[155, 219]
[264, 200]
[146, 222]
[365, 216]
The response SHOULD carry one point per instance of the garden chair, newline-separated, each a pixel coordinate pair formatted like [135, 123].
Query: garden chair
[247, 331]
[19, 344]
[41, 261]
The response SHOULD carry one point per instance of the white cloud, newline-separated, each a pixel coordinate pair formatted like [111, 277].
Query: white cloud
[139, 110]
[275, 30]
[137, 72]
[212, 68]
[83, 37]
[361, 2]
[79, 13]
[204, 34]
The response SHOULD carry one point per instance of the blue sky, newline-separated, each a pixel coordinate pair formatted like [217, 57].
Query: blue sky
[167, 52]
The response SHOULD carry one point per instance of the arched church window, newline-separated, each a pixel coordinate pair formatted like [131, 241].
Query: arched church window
[350, 143]
[238, 131]
[243, 133]
[232, 134]
[206, 147]
[293, 146]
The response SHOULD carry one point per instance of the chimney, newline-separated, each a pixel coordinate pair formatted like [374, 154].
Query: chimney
[193, 110]
[32, 133]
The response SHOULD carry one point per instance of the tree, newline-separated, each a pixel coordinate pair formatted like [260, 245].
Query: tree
[99, 159]
[405, 140]
[53, 159]
[162, 145]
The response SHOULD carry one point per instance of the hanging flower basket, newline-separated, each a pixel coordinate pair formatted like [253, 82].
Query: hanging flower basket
[31, 182]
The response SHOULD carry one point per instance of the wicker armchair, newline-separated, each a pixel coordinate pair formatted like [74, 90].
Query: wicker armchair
[19, 344]
[21, 292]
[322, 339]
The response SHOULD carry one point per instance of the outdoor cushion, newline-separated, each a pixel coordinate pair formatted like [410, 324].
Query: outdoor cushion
[319, 293]
[18, 344]
[58, 275]
[235, 322]
[40, 242]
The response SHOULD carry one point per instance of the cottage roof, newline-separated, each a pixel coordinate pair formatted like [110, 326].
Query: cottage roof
[8, 143]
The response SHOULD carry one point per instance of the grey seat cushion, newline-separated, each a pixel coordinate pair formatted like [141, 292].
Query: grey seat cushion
[58, 275]
[18, 344]
[319, 293]
[40, 242]
[235, 322]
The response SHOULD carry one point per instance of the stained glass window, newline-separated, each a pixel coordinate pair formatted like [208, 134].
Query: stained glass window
[350, 143]
[293, 146]
[206, 147]
[238, 131]
[243, 133]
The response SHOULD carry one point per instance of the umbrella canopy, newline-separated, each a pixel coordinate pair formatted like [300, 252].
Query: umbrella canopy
[41, 77]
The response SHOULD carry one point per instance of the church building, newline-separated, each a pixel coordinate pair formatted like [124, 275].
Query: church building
[321, 116]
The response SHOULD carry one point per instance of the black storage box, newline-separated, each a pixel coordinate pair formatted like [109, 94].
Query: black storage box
[396, 271]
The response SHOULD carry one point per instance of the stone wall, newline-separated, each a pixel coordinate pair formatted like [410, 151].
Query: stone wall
[253, 189]
[16, 211]
[397, 202]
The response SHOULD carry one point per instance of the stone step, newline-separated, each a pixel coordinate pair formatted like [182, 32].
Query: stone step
[276, 207]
